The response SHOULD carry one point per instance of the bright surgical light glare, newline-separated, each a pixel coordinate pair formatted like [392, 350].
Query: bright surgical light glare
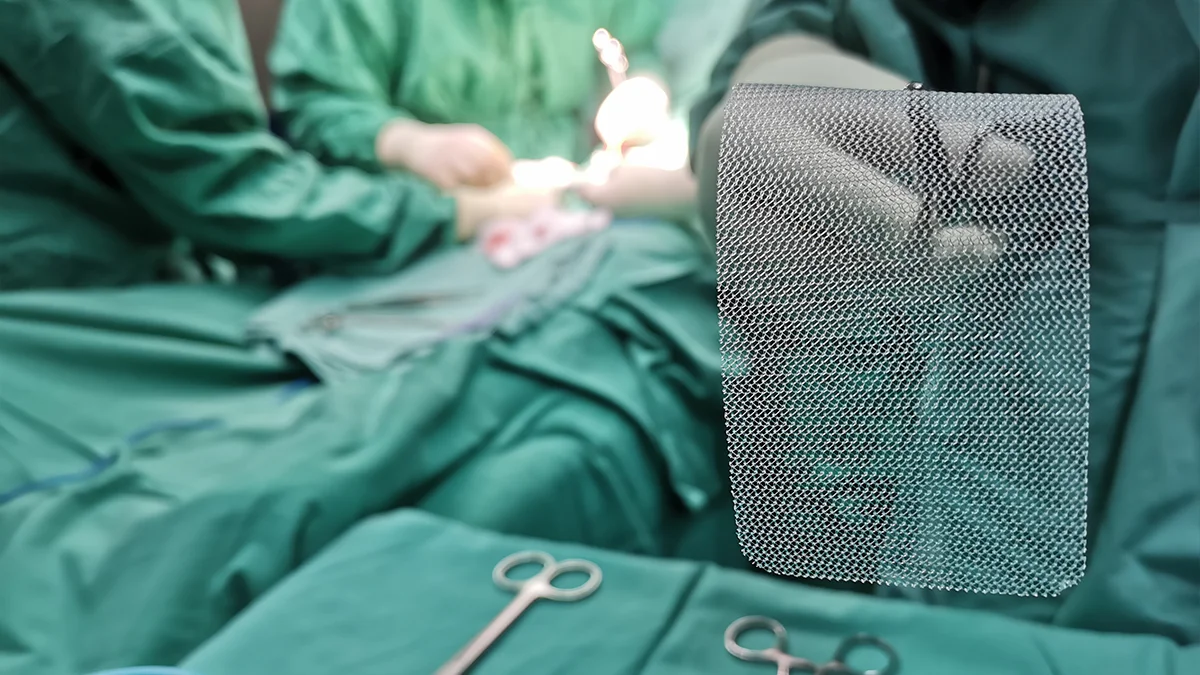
[601, 38]
[613, 57]
[669, 151]
[547, 174]
[637, 107]
[611, 54]
[600, 166]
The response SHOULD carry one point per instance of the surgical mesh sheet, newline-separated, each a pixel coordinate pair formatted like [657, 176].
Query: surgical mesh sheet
[903, 295]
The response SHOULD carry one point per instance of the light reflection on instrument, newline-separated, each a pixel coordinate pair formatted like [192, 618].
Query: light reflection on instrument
[549, 173]
[668, 150]
[612, 55]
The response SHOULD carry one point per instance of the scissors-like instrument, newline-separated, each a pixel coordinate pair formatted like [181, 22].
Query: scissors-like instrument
[786, 663]
[539, 587]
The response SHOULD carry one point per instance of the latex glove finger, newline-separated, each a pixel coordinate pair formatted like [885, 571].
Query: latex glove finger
[893, 211]
[482, 157]
[494, 168]
[644, 191]
[492, 144]
[596, 194]
[446, 179]
[887, 209]
[967, 248]
[471, 166]
[495, 174]
[1000, 163]
[890, 139]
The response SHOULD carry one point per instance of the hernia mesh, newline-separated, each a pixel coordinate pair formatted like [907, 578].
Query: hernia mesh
[903, 294]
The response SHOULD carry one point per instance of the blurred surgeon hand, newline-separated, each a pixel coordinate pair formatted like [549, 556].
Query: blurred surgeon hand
[633, 113]
[641, 191]
[450, 156]
[477, 207]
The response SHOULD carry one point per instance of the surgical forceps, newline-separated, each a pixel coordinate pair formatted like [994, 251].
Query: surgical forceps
[384, 309]
[612, 55]
[786, 663]
[539, 587]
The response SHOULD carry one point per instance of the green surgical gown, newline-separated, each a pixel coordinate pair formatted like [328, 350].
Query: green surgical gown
[524, 69]
[126, 124]
[1135, 68]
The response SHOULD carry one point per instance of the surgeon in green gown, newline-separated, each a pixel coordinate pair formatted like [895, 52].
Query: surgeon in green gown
[153, 464]
[127, 126]
[452, 91]
[523, 74]
[1134, 66]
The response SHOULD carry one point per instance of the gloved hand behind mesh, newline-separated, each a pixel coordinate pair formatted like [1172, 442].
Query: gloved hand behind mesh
[903, 295]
